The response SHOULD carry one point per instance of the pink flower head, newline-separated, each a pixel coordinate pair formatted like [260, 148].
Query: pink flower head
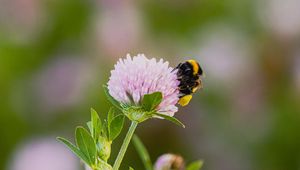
[169, 161]
[136, 76]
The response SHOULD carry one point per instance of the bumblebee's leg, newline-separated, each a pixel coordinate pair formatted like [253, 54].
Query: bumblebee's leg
[185, 90]
[183, 101]
[195, 89]
[197, 85]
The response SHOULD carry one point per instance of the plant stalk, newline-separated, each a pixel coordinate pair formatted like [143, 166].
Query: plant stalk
[125, 145]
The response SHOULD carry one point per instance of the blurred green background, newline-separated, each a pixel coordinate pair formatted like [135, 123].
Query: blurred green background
[56, 54]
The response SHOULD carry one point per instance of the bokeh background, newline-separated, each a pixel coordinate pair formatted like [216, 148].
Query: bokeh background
[56, 54]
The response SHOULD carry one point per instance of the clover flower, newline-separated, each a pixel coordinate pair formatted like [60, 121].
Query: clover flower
[169, 162]
[141, 89]
[134, 77]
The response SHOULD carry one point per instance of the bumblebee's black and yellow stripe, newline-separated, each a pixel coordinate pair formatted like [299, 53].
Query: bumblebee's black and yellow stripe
[189, 74]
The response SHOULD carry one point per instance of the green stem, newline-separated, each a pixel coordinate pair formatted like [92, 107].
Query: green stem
[125, 145]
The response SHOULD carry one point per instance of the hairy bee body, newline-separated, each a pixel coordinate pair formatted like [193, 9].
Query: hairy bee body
[189, 74]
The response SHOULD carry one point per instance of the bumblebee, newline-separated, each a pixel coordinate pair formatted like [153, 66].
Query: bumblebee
[189, 74]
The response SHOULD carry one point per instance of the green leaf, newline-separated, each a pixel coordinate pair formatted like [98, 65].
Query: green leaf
[90, 126]
[96, 124]
[151, 101]
[144, 155]
[197, 165]
[110, 116]
[170, 118]
[104, 130]
[130, 168]
[74, 149]
[111, 99]
[116, 127]
[86, 144]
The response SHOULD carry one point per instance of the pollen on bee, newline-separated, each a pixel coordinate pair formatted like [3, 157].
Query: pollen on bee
[183, 101]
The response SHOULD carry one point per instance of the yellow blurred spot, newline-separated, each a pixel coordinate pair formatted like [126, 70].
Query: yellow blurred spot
[185, 100]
